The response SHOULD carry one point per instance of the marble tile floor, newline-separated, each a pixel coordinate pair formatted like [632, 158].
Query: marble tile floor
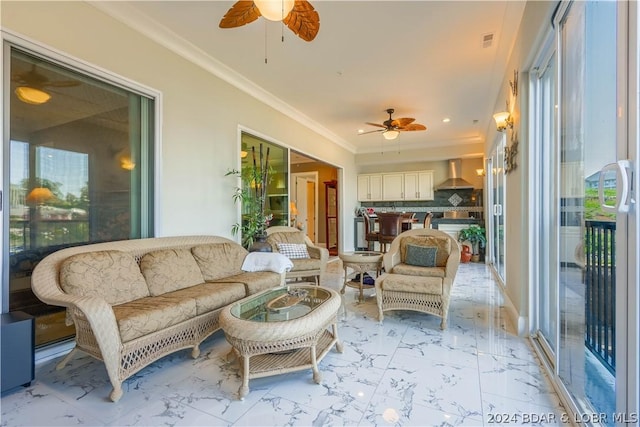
[404, 372]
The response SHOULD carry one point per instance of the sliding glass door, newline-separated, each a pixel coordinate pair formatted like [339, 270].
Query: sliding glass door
[79, 170]
[496, 203]
[583, 320]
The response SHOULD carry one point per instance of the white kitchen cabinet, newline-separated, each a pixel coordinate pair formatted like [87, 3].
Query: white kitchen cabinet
[393, 186]
[418, 185]
[369, 187]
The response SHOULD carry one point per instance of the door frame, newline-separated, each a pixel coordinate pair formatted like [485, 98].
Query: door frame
[309, 176]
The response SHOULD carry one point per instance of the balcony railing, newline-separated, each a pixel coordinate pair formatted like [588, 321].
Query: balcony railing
[600, 297]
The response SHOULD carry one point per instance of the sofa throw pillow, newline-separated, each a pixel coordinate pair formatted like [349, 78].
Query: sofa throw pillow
[421, 256]
[293, 250]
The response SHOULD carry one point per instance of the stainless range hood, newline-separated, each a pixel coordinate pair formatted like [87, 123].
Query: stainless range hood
[454, 180]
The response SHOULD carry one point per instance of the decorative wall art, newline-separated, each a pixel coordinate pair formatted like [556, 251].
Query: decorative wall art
[511, 150]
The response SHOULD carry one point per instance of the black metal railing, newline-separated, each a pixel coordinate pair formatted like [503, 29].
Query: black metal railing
[600, 297]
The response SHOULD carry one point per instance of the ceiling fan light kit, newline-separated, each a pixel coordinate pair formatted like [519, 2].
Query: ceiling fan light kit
[274, 10]
[390, 134]
[298, 15]
[32, 95]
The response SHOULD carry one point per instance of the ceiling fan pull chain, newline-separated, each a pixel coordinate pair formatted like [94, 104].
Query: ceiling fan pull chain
[265, 41]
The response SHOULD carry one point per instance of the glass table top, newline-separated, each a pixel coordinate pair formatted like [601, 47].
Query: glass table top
[281, 304]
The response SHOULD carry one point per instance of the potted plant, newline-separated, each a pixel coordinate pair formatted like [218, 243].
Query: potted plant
[252, 194]
[475, 235]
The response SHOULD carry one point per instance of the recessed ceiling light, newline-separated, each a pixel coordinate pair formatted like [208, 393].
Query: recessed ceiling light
[446, 120]
[360, 130]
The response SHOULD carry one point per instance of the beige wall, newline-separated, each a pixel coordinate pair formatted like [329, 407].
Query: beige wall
[201, 114]
[535, 24]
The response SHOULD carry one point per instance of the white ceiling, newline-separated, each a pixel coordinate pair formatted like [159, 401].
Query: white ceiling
[425, 59]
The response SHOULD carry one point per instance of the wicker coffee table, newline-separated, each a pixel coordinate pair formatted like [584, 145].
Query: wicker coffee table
[282, 330]
[360, 262]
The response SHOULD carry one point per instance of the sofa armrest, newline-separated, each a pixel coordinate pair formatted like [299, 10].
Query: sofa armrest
[390, 260]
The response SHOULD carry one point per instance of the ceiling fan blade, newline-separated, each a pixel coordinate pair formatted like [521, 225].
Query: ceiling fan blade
[412, 127]
[303, 20]
[241, 13]
[375, 124]
[402, 122]
[372, 131]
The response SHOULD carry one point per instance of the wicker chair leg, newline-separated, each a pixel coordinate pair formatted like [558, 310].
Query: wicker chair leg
[116, 393]
[66, 359]
[339, 346]
[443, 323]
[195, 352]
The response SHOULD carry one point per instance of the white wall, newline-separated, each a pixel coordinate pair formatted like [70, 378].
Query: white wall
[535, 23]
[201, 114]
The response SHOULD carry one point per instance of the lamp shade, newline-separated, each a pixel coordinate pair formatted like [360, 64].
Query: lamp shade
[31, 95]
[39, 195]
[390, 134]
[502, 119]
[274, 10]
[293, 208]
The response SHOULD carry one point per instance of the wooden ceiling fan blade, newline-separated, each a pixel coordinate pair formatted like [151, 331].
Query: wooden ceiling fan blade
[402, 122]
[303, 20]
[372, 131]
[412, 127]
[241, 13]
[375, 124]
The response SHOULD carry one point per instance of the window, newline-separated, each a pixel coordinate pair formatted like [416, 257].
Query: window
[80, 171]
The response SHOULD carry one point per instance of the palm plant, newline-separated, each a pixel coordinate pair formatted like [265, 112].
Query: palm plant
[252, 195]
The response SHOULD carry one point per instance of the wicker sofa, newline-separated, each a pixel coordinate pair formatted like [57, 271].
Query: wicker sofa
[135, 301]
[312, 266]
[412, 281]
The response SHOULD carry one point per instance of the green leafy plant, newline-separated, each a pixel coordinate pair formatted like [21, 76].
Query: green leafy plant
[252, 195]
[475, 235]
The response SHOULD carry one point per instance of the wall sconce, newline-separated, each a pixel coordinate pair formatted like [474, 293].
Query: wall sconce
[243, 154]
[503, 121]
[480, 172]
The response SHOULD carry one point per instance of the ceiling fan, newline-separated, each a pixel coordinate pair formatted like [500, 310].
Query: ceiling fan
[391, 128]
[298, 15]
[31, 86]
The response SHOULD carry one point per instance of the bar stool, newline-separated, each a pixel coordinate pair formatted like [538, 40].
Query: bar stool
[370, 235]
[390, 228]
[407, 219]
[427, 220]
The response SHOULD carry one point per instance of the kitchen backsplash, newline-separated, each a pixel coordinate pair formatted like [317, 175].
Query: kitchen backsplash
[444, 200]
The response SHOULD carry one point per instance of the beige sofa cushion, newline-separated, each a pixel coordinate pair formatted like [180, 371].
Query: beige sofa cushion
[255, 282]
[168, 270]
[412, 270]
[219, 260]
[305, 264]
[404, 283]
[112, 275]
[285, 237]
[442, 244]
[210, 296]
[151, 314]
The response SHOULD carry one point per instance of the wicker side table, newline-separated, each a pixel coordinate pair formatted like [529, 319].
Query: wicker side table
[360, 262]
[270, 345]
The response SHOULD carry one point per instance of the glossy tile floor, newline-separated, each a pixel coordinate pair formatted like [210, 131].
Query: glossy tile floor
[403, 372]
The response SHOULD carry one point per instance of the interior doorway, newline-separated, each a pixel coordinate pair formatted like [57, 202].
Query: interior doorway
[308, 195]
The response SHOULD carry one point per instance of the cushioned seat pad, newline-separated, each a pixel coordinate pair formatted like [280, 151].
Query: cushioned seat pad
[417, 284]
[305, 264]
[151, 314]
[255, 281]
[412, 270]
[211, 296]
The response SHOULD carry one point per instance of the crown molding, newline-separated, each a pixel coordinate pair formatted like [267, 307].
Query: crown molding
[157, 32]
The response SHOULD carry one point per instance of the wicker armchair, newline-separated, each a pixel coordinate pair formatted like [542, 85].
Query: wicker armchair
[420, 266]
[302, 267]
